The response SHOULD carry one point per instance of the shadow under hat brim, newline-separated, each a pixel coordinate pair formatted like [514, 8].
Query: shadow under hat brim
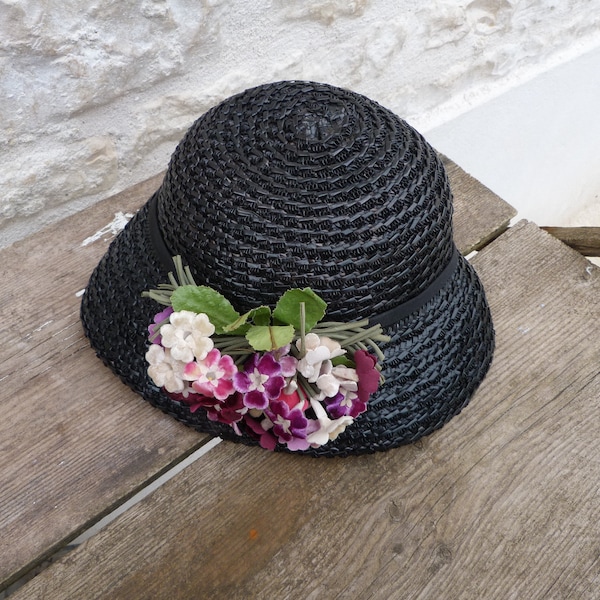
[435, 360]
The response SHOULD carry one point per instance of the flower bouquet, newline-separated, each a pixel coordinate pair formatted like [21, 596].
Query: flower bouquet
[281, 376]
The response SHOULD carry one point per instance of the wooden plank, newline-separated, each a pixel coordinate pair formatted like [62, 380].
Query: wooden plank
[75, 442]
[503, 502]
[583, 239]
[479, 214]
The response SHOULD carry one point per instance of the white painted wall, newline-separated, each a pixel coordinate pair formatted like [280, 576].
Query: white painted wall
[537, 145]
[95, 94]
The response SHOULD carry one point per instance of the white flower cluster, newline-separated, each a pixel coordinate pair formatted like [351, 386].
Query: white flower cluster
[165, 370]
[187, 335]
[185, 338]
[316, 367]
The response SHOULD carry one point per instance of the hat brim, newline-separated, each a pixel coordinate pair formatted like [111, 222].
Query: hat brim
[435, 360]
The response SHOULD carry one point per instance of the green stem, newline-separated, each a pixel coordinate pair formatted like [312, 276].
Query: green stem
[306, 388]
[302, 329]
[239, 352]
[179, 269]
[189, 276]
[301, 393]
[376, 349]
[225, 341]
[240, 360]
[338, 326]
[361, 335]
[173, 280]
[158, 297]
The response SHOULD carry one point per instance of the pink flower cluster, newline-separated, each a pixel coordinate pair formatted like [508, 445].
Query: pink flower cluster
[273, 397]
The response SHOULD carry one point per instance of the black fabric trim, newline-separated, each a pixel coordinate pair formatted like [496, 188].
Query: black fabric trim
[158, 243]
[384, 319]
[405, 309]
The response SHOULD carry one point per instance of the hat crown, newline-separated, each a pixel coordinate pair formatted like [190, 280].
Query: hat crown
[318, 123]
[298, 184]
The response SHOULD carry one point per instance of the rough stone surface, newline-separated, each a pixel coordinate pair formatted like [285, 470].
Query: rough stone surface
[74, 169]
[326, 11]
[95, 95]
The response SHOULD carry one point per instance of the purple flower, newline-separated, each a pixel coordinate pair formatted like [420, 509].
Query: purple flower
[265, 437]
[159, 319]
[260, 381]
[288, 363]
[289, 425]
[326, 429]
[229, 411]
[345, 404]
[339, 405]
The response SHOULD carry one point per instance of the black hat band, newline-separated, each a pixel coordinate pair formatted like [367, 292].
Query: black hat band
[389, 317]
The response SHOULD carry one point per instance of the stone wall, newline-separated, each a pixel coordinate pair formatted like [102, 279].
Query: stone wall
[94, 95]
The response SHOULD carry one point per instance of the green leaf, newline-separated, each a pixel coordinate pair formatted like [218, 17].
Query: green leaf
[288, 308]
[203, 299]
[342, 360]
[261, 315]
[269, 337]
[238, 323]
[238, 331]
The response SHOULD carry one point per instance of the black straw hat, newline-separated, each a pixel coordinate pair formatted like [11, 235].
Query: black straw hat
[300, 184]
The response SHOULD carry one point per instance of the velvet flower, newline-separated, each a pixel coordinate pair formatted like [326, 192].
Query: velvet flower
[262, 430]
[368, 375]
[188, 335]
[213, 375]
[164, 370]
[229, 411]
[196, 401]
[260, 381]
[289, 424]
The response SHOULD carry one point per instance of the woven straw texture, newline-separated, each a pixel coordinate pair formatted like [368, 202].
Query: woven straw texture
[299, 184]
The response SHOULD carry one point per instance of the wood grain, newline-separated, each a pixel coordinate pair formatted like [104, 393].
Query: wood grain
[479, 214]
[503, 502]
[583, 239]
[74, 441]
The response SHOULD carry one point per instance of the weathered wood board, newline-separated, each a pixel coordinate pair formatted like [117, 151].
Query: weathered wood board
[503, 502]
[74, 441]
[479, 214]
[583, 239]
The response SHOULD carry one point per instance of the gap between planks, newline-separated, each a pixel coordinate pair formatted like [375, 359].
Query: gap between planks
[122, 507]
[507, 504]
[488, 221]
